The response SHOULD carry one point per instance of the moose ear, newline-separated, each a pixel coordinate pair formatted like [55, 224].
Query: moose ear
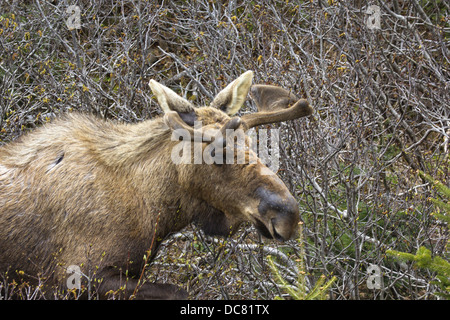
[169, 100]
[233, 96]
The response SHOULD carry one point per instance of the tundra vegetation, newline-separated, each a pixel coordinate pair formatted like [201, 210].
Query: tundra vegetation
[381, 100]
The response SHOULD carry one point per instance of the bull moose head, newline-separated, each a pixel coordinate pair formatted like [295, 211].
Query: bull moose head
[238, 192]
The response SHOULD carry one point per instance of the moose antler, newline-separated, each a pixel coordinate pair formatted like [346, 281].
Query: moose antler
[275, 104]
[174, 121]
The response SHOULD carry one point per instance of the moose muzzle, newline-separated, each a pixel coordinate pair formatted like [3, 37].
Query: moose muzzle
[278, 215]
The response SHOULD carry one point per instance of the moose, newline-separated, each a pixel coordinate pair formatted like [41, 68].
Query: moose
[86, 191]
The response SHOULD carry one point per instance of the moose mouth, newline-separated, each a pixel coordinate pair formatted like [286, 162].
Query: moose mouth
[264, 231]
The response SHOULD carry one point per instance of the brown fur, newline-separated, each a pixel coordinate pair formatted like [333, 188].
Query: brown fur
[88, 192]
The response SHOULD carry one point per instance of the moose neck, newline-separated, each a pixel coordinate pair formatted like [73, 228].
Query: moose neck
[142, 152]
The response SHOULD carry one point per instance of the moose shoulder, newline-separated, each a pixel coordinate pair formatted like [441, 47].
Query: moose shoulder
[87, 192]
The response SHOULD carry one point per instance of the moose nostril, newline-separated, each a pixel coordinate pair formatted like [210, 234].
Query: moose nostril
[285, 207]
[282, 205]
